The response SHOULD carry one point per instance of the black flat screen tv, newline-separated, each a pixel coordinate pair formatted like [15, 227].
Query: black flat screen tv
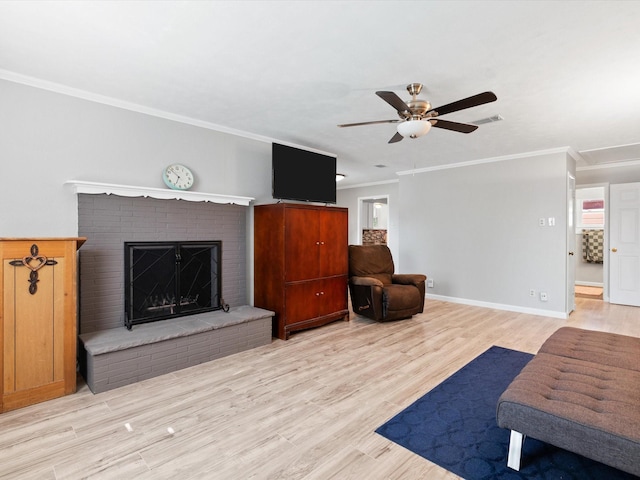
[303, 175]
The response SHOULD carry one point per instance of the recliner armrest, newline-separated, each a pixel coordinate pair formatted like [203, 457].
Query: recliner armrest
[408, 278]
[366, 281]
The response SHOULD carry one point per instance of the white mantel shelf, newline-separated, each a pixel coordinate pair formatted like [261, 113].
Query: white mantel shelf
[162, 193]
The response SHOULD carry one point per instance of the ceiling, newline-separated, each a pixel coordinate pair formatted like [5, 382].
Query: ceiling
[566, 73]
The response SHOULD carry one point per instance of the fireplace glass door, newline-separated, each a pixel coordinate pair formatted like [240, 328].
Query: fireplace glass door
[171, 279]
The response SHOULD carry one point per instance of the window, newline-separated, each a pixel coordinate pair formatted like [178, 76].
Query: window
[591, 214]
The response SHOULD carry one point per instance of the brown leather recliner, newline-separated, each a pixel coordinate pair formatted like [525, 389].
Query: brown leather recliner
[376, 291]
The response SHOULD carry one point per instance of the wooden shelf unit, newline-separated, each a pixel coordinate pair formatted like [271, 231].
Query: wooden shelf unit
[301, 265]
[38, 322]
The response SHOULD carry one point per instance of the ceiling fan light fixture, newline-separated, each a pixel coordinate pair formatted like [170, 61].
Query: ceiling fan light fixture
[414, 128]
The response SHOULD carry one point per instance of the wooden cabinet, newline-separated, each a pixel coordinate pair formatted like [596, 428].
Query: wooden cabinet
[38, 322]
[301, 265]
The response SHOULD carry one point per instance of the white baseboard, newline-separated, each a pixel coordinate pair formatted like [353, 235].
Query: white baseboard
[500, 306]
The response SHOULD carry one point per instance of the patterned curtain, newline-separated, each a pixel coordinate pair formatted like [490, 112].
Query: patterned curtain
[593, 245]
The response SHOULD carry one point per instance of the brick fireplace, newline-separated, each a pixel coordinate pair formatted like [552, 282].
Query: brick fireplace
[108, 221]
[109, 354]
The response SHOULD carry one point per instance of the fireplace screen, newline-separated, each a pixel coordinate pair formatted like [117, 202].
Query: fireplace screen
[171, 279]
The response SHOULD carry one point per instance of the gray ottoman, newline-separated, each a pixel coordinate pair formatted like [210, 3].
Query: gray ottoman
[588, 407]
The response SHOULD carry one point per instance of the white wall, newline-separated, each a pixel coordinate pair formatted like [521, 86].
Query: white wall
[48, 138]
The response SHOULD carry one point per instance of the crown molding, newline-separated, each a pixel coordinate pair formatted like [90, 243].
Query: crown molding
[369, 184]
[134, 107]
[567, 150]
[601, 166]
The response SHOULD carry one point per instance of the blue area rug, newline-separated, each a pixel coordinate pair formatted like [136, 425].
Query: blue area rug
[454, 426]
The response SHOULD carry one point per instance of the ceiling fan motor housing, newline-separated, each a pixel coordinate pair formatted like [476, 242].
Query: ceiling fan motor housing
[419, 107]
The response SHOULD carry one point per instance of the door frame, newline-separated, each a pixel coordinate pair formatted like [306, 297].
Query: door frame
[359, 222]
[605, 259]
[571, 259]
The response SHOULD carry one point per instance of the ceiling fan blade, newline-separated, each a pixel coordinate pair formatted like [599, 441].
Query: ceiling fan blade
[455, 126]
[396, 138]
[394, 100]
[368, 123]
[474, 101]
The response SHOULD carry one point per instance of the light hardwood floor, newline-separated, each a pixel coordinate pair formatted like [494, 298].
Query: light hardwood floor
[306, 408]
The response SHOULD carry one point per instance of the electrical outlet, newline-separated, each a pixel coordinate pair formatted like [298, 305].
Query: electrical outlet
[430, 283]
[543, 296]
[542, 222]
[532, 293]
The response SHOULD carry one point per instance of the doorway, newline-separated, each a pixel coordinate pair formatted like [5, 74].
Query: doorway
[591, 236]
[373, 220]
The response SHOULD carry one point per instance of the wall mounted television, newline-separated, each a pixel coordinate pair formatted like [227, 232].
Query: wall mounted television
[302, 175]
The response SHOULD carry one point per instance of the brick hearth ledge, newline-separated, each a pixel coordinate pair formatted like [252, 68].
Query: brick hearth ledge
[116, 357]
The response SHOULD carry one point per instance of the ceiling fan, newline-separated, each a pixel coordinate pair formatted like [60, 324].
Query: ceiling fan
[417, 117]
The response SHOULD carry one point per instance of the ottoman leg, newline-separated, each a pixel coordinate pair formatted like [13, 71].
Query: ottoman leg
[515, 450]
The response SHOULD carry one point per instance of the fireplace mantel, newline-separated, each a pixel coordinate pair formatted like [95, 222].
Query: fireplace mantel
[80, 186]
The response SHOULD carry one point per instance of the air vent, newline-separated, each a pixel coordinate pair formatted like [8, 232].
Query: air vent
[482, 121]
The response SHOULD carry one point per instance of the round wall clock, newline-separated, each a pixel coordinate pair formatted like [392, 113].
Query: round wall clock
[178, 177]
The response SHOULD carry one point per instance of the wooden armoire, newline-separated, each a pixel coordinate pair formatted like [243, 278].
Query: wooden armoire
[38, 319]
[301, 265]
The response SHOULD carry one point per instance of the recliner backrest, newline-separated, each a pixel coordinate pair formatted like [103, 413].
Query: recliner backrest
[371, 261]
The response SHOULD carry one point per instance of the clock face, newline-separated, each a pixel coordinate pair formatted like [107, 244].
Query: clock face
[178, 177]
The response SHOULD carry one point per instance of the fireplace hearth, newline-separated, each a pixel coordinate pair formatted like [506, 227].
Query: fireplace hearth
[171, 279]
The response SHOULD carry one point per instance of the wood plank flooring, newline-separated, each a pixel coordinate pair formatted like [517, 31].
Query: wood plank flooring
[305, 409]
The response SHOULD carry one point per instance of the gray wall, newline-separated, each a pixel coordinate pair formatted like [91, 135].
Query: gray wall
[51, 138]
[474, 230]
[437, 224]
